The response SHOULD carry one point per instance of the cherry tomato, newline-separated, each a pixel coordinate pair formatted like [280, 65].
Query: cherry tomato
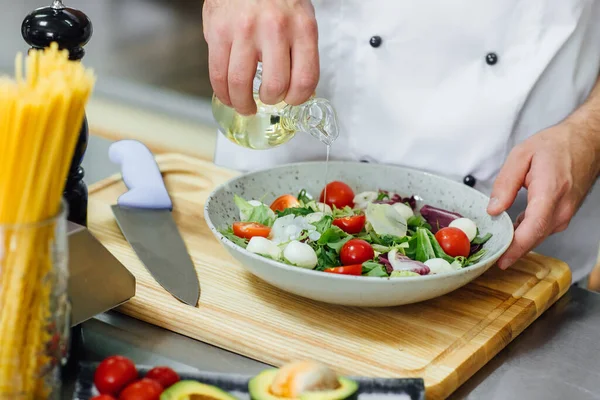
[283, 202]
[103, 397]
[113, 374]
[346, 270]
[163, 375]
[339, 195]
[144, 389]
[248, 230]
[453, 241]
[356, 251]
[352, 225]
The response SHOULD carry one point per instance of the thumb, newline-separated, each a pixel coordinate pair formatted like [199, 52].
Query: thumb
[509, 181]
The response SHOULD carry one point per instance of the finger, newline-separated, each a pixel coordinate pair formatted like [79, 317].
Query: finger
[242, 69]
[218, 67]
[519, 219]
[305, 66]
[509, 181]
[276, 70]
[536, 225]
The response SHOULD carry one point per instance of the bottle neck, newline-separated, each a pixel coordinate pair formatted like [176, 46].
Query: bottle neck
[316, 117]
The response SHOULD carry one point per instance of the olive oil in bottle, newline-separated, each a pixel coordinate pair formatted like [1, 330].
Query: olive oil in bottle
[274, 125]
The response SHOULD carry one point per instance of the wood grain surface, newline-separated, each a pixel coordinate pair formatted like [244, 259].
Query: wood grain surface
[444, 340]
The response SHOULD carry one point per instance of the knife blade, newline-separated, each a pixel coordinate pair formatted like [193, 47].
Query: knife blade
[144, 215]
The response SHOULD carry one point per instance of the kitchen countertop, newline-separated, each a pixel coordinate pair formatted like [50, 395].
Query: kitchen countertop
[556, 357]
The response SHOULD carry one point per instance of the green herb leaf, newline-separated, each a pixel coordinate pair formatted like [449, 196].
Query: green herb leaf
[382, 196]
[326, 258]
[461, 260]
[303, 197]
[378, 271]
[295, 211]
[474, 258]
[417, 221]
[228, 233]
[437, 249]
[481, 240]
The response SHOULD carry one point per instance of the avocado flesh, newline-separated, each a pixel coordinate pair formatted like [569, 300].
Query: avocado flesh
[192, 390]
[259, 388]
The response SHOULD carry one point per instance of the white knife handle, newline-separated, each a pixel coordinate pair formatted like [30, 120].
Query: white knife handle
[141, 176]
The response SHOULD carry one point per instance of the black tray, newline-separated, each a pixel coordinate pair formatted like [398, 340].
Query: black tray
[237, 385]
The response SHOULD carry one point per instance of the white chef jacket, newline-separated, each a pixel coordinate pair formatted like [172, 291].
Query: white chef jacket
[450, 89]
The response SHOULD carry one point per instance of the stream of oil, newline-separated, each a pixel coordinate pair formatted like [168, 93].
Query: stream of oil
[326, 173]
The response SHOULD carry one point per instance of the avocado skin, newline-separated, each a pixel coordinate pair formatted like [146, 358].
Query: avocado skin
[183, 390]
[258, 387]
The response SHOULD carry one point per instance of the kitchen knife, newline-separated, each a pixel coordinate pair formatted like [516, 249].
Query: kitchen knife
[144, 217]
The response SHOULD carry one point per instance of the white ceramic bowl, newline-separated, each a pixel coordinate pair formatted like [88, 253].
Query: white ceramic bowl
[220, 211]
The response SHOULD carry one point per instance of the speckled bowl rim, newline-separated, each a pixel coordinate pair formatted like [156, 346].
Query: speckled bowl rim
[490, 261]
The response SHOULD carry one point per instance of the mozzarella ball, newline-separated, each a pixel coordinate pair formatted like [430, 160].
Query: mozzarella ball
[438, 266]
[467, 226]
[264, 247]
[300, 254]
[362, 199]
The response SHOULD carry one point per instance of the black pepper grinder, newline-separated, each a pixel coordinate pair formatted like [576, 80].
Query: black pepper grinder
[71, 29]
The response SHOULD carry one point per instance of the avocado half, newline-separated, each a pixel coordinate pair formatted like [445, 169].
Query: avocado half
[260, 389]
[192, 390]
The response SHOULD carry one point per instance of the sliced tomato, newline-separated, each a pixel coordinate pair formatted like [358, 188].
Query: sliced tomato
[283, 202]
[346, 270]
[356, 251]
[248, 230]
[352, 225]
[454, 242]
[339, 195]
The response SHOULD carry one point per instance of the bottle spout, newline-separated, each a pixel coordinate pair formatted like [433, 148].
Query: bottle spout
[319, 119]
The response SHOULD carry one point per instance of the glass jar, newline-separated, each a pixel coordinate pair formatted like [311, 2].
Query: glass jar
[34, 308]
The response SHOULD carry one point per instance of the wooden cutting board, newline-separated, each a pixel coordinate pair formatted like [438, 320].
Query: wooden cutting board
[444, 340]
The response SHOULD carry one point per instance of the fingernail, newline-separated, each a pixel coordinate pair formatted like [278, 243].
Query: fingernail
[493, 204]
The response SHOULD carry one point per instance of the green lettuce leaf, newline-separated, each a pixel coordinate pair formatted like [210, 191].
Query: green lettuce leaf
[228, 233]
[323, 224]
[424, 249]
[260, 214]
[401, 274]
[481, 240]
[378, 271]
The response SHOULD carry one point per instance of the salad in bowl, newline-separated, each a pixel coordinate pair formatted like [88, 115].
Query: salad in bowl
[381, 235]
[378, 233]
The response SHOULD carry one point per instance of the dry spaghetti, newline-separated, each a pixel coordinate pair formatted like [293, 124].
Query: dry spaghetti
[41, 112]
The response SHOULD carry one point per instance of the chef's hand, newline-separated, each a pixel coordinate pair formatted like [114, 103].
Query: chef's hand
[280, 33]
[558, 166]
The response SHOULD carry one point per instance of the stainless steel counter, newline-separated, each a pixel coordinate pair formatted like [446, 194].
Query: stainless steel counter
[555, 358]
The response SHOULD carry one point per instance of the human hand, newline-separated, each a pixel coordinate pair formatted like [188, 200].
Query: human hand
[280, 33]
[558, 166]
